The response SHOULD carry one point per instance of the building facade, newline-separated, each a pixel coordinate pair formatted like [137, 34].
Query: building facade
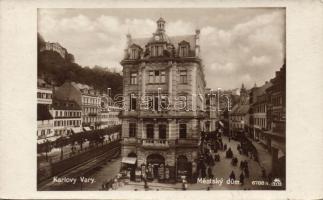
[44, 103]
[163, 94]
[86, 97]
[276, 122]
[239, 115]
[212, 105]
[258, 112]
[67, 117]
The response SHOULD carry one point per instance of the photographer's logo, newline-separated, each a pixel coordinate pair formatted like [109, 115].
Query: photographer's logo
[276, 183]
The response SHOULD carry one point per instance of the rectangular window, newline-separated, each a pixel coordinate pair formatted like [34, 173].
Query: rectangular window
[150, 131]
[182, 131]
[133, 78]
[156, 105]
[157, 78]
[133, 54]
[132, 129]
[151, 77]
[133, 102]
[164, 102]
[183, 76]
[162, 76]
[162, 131]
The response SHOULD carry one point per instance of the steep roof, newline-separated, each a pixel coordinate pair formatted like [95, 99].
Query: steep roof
[59, 104]
[175, 40]
[240, 109]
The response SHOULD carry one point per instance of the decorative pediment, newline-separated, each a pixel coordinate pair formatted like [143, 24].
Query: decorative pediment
[184, 42]
[135, 46]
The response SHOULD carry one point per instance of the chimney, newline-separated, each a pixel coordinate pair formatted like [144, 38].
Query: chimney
[197, 42]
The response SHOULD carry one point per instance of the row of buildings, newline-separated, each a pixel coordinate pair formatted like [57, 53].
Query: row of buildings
[261, 114]
[72, 108]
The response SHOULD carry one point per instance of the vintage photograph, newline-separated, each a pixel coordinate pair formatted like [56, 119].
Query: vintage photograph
[147, 99]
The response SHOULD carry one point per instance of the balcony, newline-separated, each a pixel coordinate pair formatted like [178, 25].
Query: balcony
[92, 114]
[130, 141]
[155, 144]
[164, 114]
[189, 142]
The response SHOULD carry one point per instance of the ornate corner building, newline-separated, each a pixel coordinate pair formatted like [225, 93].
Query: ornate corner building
[163, 95]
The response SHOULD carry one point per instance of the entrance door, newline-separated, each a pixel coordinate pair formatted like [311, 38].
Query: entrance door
[155, 170]
[155, 160]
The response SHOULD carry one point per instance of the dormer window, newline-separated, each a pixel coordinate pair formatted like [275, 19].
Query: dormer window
[184, 48]
[156, 50]
[134, 52]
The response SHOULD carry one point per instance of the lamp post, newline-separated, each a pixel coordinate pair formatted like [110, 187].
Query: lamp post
[158, 108]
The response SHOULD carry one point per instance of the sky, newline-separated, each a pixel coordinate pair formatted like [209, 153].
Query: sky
[238, 45]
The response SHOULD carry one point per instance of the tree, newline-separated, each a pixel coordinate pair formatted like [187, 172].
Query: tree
[60, 143]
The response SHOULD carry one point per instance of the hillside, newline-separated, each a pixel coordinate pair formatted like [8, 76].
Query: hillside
[53, 68]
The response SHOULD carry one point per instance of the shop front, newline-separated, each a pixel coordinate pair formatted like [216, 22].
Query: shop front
[130, 164]
[155, 167]
[184, 168]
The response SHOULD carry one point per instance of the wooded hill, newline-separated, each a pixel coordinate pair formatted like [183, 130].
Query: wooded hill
[56, 70]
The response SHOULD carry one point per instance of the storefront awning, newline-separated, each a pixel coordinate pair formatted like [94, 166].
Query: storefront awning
[129, 160]
[77, 130]
[52, 139]
[86, 128]
[40, 141]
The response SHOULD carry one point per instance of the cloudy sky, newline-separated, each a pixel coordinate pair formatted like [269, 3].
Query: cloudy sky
[238, 45]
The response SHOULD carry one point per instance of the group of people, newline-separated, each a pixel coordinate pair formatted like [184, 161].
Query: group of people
[209, 143]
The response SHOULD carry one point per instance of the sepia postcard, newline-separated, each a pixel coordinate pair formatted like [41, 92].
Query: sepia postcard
[137, 98]
[163, 101]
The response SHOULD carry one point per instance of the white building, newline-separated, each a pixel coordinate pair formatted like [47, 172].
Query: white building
[67, 117]
[44, 117]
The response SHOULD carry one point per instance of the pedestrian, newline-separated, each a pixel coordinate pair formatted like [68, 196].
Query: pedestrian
[270, 178]
[246, 171]
[242, 164]
[146, 184]
[209, 171]
[184, 184]
[232, 176]
[263, 171]
[241, 178]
